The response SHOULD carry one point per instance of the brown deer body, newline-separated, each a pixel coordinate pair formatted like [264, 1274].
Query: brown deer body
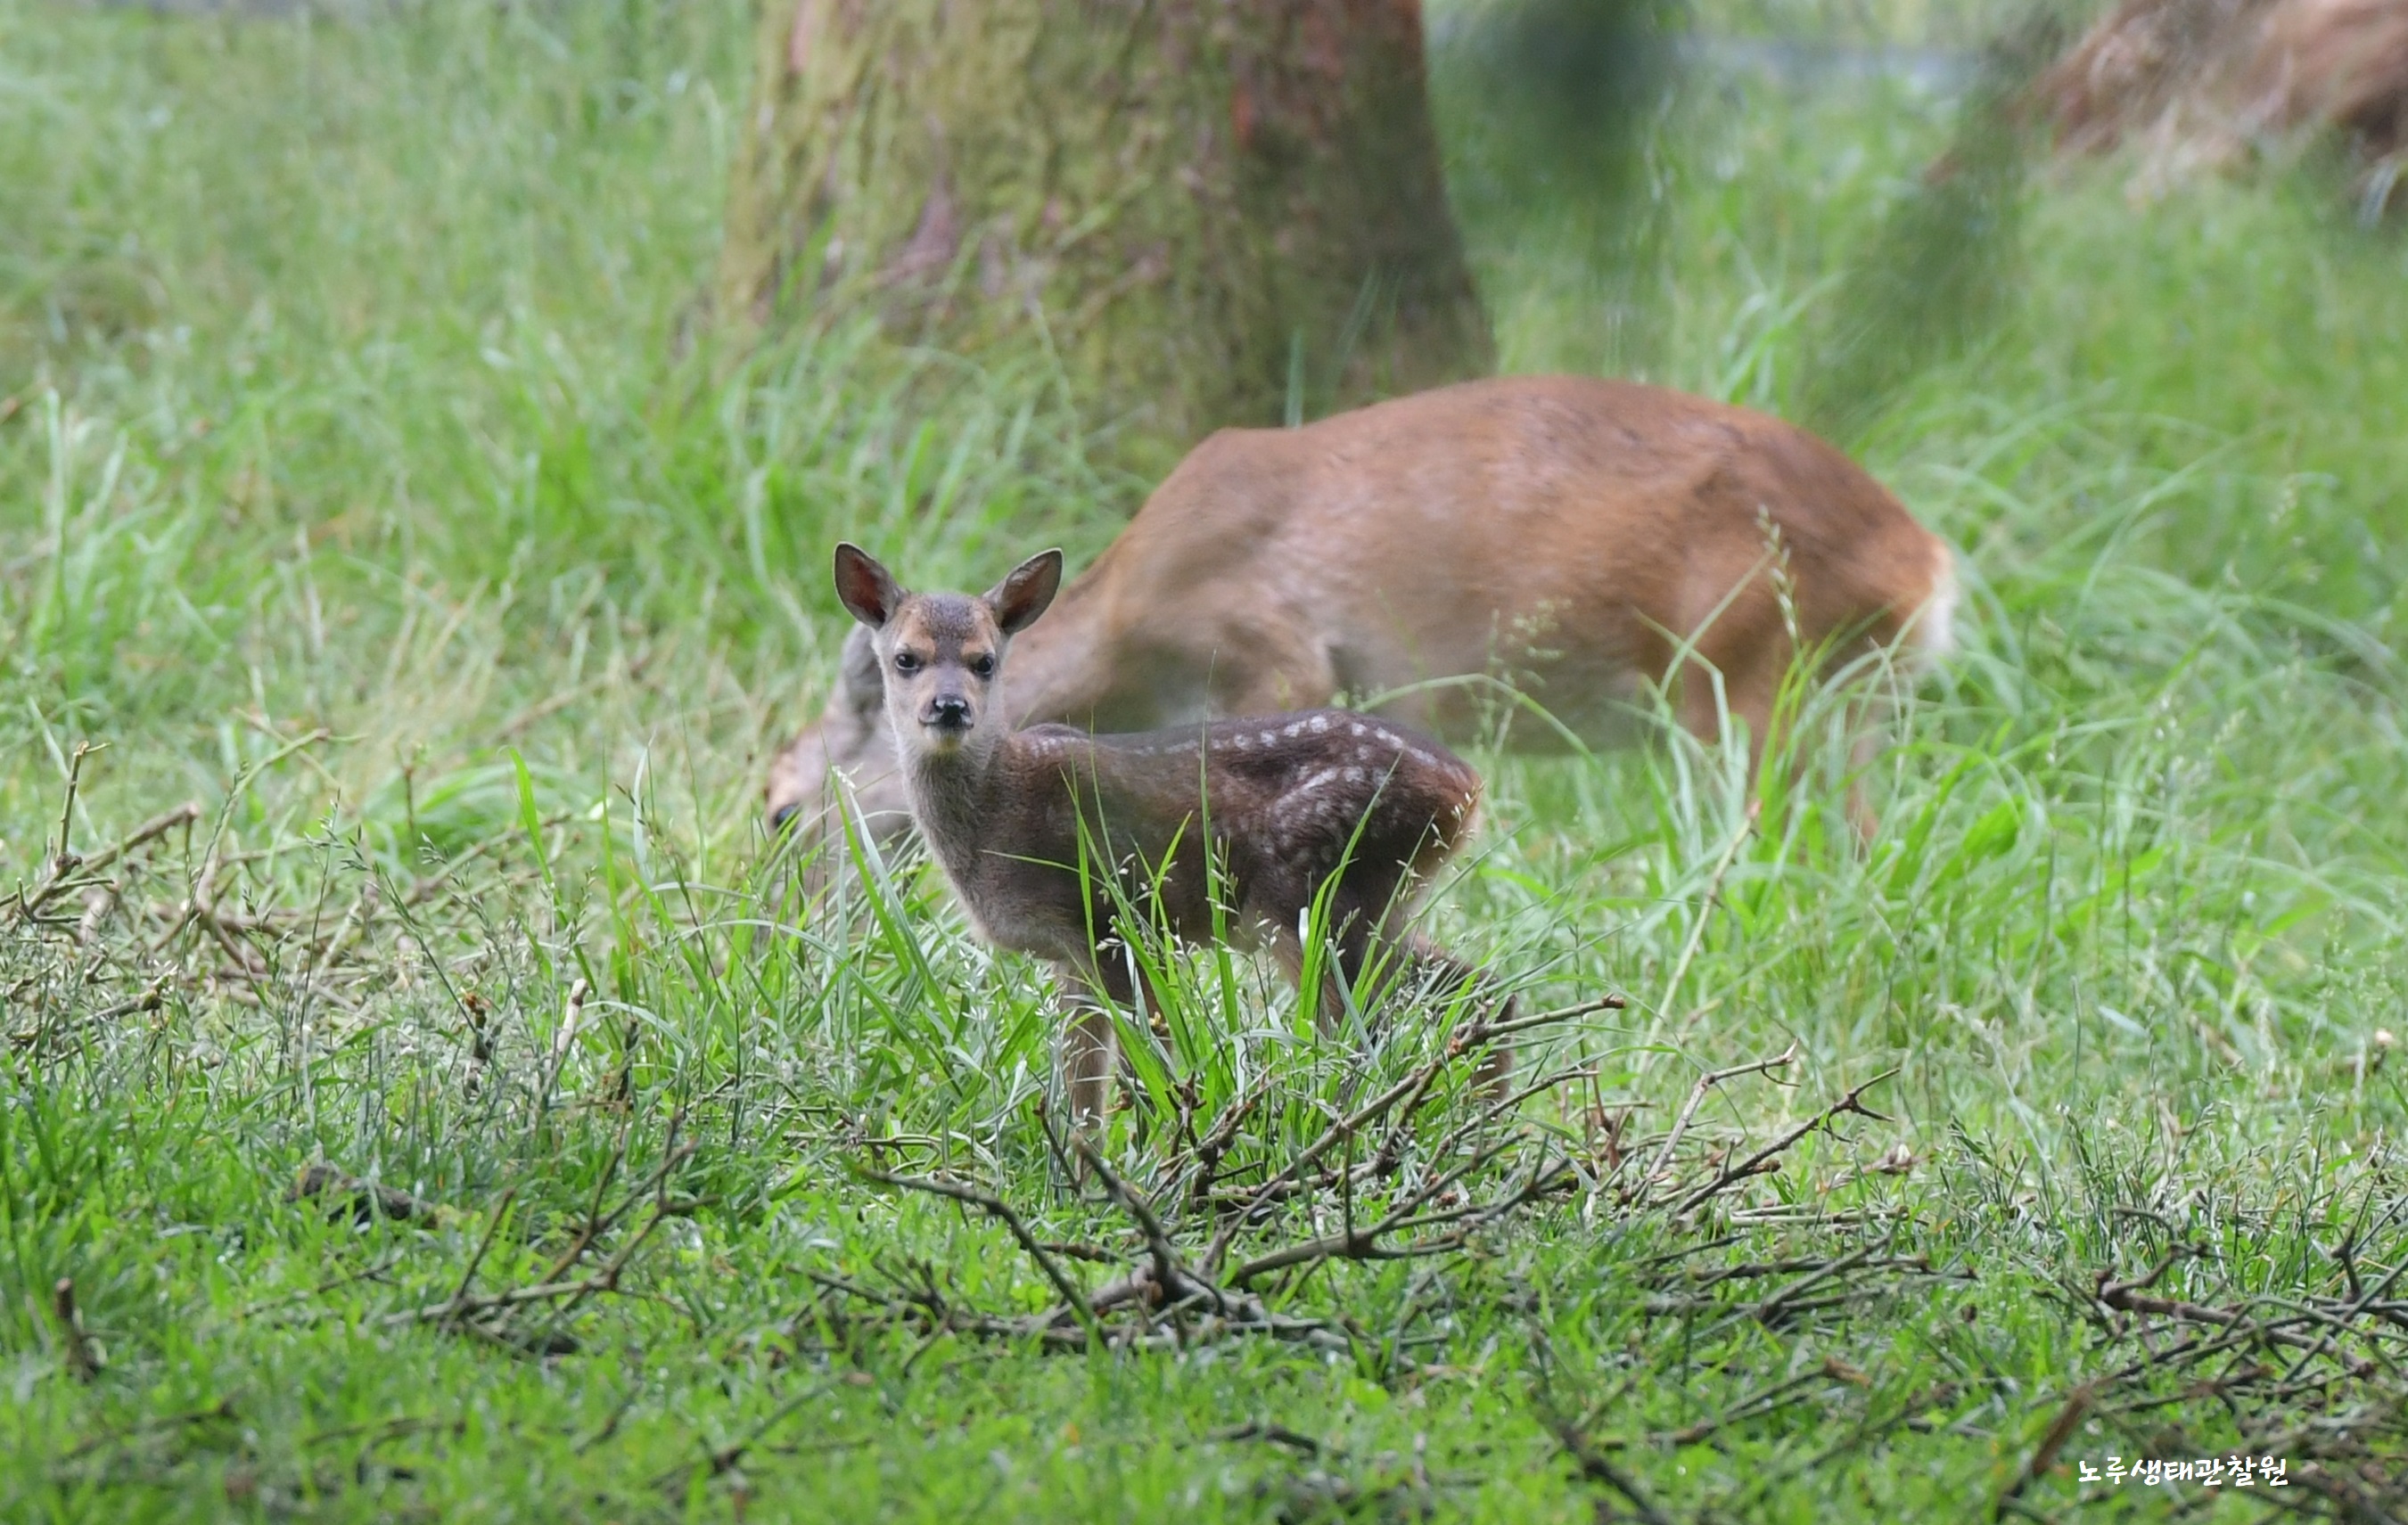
[1230, 830]
[1575, 539]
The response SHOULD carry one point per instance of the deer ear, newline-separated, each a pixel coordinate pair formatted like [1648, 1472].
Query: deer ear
[1020, 598]
[863, 685]
[866, 589]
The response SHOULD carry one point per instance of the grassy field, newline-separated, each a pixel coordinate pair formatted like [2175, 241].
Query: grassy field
[455, 1114]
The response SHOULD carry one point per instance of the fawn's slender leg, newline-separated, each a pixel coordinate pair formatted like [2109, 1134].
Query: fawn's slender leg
[1287, 951]
[1091, 1043]
[1089, 1047]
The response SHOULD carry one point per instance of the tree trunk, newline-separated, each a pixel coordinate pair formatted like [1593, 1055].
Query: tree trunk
[1212, 211]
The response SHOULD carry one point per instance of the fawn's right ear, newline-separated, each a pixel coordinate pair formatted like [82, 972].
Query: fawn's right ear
[866, 589]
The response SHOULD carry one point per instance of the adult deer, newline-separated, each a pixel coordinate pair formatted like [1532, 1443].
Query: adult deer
[1573, 539]
[1227, 829]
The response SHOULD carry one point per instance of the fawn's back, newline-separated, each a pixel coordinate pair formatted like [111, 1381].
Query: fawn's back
[1222, 830]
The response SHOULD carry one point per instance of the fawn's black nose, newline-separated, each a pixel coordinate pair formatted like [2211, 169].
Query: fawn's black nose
[949, 710]
[778, 817]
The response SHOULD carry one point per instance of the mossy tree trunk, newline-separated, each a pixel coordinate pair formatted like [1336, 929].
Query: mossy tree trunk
[1212, 211]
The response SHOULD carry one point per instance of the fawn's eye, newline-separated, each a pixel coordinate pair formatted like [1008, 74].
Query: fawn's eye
[906, 661]
[982, 665]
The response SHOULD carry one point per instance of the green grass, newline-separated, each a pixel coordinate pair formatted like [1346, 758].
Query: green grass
[368, 484]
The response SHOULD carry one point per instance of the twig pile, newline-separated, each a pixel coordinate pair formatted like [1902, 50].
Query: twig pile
[1231, 1223]
[2313, 1374]
[531, 1316]
[177, 910]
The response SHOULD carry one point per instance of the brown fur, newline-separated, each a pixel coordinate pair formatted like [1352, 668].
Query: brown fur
[1557, 533]
[1229, 829]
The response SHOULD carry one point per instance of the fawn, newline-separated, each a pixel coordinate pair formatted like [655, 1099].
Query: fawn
[1579, 539]
[1229, 829]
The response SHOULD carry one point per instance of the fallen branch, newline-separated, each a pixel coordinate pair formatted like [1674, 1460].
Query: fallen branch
[1697, 1098]
[83, 1357]
[994, 1207]
[366, 1200]
[1767, 1156]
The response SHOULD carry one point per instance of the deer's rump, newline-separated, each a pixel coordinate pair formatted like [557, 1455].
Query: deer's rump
[1452, 558]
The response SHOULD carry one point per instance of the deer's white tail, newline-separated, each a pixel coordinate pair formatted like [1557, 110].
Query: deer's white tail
[1931, 636]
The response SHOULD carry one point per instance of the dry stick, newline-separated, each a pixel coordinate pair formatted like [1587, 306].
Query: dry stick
[2330, 1318]
[606, 1279]
[1363, 1243]
[1488, 1116]
[2201, 1346]
[1213, 1146]
[492, 1226]
[997, 1208]
[1753, 1165]
[1490, 1031]
[1372, 1111]
[82, 1359]
[2364, 1300]
[65, 860]
[63, 870]
[1598, 1469]
[2244, 1327]
[603, 1280]
[1697, 1098]
[1783, 1297]
[222, 1409]
[573, 1009]
[2060, 1430]
[1755, 1404]
[1254, 1200]
[153, 996]
[727, 1455]
[1169, 1273]
[674, 1153]
[594, 1224]
[156, 827]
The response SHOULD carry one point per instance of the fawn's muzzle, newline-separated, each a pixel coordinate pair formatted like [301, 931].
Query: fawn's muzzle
[947, 712]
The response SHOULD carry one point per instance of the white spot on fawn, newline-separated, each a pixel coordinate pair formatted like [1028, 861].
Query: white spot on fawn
[1354, 776]
[1356, 728]
[1296, 730]
[1319, 723]
[1268, 738]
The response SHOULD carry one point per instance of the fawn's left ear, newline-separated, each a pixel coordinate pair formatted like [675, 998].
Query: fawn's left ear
[1020, 598]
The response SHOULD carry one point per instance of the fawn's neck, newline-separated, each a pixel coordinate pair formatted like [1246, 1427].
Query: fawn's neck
[956, 799]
